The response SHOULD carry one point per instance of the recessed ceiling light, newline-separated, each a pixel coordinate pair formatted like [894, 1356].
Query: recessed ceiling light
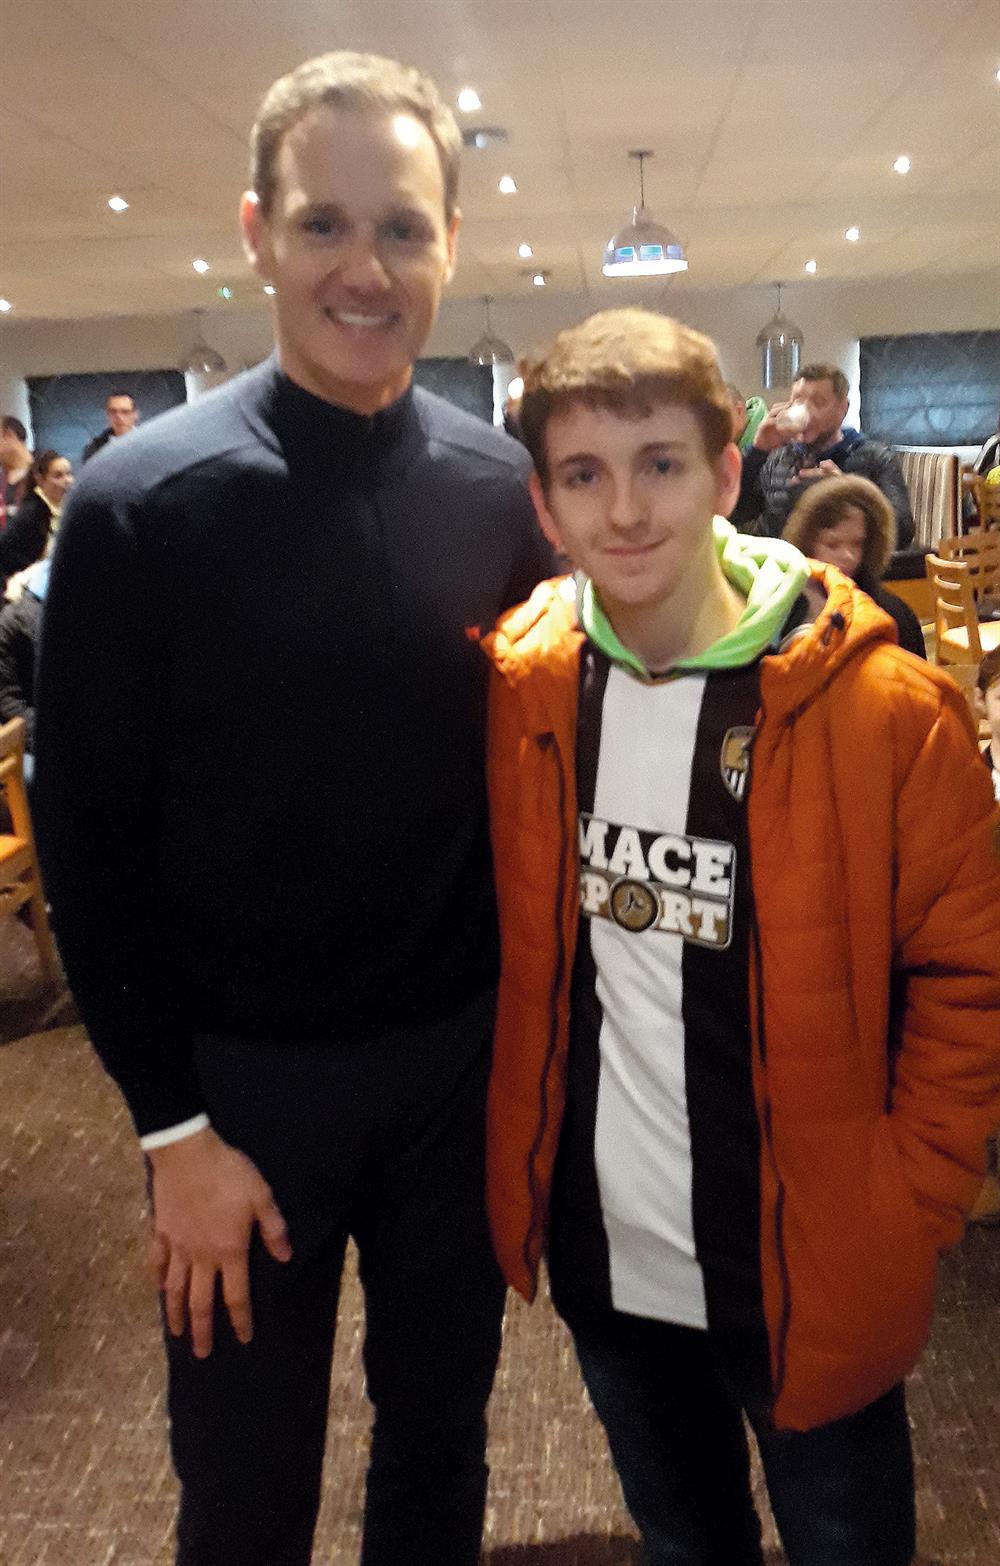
[269, 288]
[902, 165]
[5, 305]
[469, 101]
[225, 292]
[810, 266]
[998, 76]
[118, 204]
[525, 252]
[200, 265]
[539, 279]
[853, 234]
[507, 186]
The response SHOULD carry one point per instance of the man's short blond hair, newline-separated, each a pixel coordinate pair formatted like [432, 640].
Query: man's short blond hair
[359, 82]
[630, 362]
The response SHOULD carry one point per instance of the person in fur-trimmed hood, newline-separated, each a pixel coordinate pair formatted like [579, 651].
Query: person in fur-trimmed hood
[748, 1038]
[847, 522]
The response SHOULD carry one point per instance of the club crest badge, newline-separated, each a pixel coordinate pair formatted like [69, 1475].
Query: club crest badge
[735, 760]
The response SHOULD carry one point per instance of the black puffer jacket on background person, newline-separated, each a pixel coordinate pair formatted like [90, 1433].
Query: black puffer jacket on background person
[767, 491]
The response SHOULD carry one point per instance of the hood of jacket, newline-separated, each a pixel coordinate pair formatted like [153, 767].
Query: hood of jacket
[542, 637]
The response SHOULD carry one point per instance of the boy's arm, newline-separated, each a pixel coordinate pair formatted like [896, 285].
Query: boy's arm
[945, 1097]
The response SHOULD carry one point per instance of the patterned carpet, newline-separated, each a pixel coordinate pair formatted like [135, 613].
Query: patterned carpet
[84, 1475]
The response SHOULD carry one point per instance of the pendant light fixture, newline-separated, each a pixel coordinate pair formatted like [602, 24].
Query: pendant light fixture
[643, 247]
[490, 349]
[200, 359]
[780, 344]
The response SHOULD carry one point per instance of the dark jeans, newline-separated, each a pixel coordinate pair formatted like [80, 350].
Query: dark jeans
[382, 1142]
[842, 1494]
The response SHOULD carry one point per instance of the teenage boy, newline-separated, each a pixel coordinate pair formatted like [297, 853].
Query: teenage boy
[262, 811]
[748, 1038]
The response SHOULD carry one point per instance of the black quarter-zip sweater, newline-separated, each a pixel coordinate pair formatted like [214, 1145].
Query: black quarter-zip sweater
[260, 798]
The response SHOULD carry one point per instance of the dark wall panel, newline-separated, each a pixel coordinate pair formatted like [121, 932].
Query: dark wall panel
[67, 410]
[931, 388]
[468, 385]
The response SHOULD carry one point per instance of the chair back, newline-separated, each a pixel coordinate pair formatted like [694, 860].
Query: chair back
[934, 484]
[980, 550]
[20, 881]
[956, 626]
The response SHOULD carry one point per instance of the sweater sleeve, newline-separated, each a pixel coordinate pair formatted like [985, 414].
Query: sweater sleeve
[946, 1090]
[95, 801]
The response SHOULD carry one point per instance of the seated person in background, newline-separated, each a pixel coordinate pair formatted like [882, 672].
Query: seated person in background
[122, 415]
[15, 467]
[20, 623]
[26, 537]
[781, 460]
[848, 523]
[747, 1050]
[749, 414]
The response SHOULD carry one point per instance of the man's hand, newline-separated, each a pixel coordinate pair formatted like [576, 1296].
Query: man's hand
[825, 469]
[769, 435]
[207, 1196]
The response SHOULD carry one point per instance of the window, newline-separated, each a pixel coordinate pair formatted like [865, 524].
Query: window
[931, 388]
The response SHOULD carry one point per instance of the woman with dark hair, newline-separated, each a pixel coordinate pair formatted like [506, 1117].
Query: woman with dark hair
[847, 522]
[37, 517]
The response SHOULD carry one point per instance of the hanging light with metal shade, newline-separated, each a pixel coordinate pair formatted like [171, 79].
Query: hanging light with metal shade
[490, 349]
[201, 359]
[643, 247]
[780, 344]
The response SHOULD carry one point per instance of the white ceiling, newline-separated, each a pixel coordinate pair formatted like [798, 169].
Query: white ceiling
[774, 123]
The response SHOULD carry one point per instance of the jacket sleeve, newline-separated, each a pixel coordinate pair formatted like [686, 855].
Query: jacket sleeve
[98, 712]
[750, 501]
[888, 475]
[13, 697]
[24, 540]
[945, 1097]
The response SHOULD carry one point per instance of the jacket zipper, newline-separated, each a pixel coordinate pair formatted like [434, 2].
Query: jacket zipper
[767, 1129]
[547, 742]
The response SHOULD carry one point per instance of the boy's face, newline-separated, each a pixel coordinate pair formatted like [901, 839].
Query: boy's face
[988, 704]
[631, 500]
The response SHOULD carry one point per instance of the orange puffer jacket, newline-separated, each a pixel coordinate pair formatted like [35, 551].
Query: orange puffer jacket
[874, 978]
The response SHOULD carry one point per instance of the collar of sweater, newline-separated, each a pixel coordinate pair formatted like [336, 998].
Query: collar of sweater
[335, 440]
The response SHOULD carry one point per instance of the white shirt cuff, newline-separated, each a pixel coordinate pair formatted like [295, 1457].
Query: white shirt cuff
[186, 1128]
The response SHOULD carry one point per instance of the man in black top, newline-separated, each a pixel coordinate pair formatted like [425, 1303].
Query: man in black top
[262, 819]
[781, 460]
[122, 415]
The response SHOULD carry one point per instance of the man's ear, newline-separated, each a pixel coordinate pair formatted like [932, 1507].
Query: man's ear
[546, 520]
[256, 237]
[729, 469]
[451, 243]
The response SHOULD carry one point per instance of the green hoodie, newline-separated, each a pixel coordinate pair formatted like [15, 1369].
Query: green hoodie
[756, 414]
[768, 572]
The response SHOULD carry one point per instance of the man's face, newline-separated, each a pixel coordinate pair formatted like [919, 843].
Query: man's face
[122, 414]
[827, 411]
[988, 706]
[843, 545]
[358, 249]
[631, 500]
[10, 450]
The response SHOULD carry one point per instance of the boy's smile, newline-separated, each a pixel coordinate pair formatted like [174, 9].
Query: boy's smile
[631, 500]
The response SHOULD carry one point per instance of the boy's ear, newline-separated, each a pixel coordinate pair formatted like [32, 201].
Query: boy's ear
[546, 520]
[979, 701]
[729, 469]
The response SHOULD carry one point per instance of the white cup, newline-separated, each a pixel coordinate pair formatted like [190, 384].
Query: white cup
[793, 419]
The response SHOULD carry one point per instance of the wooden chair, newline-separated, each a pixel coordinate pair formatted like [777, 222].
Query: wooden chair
[985, 498]
[980, 550]
[960, 638]
[20, 881]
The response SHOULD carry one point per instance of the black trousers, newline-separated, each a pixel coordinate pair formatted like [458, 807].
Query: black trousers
[382, 1141]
